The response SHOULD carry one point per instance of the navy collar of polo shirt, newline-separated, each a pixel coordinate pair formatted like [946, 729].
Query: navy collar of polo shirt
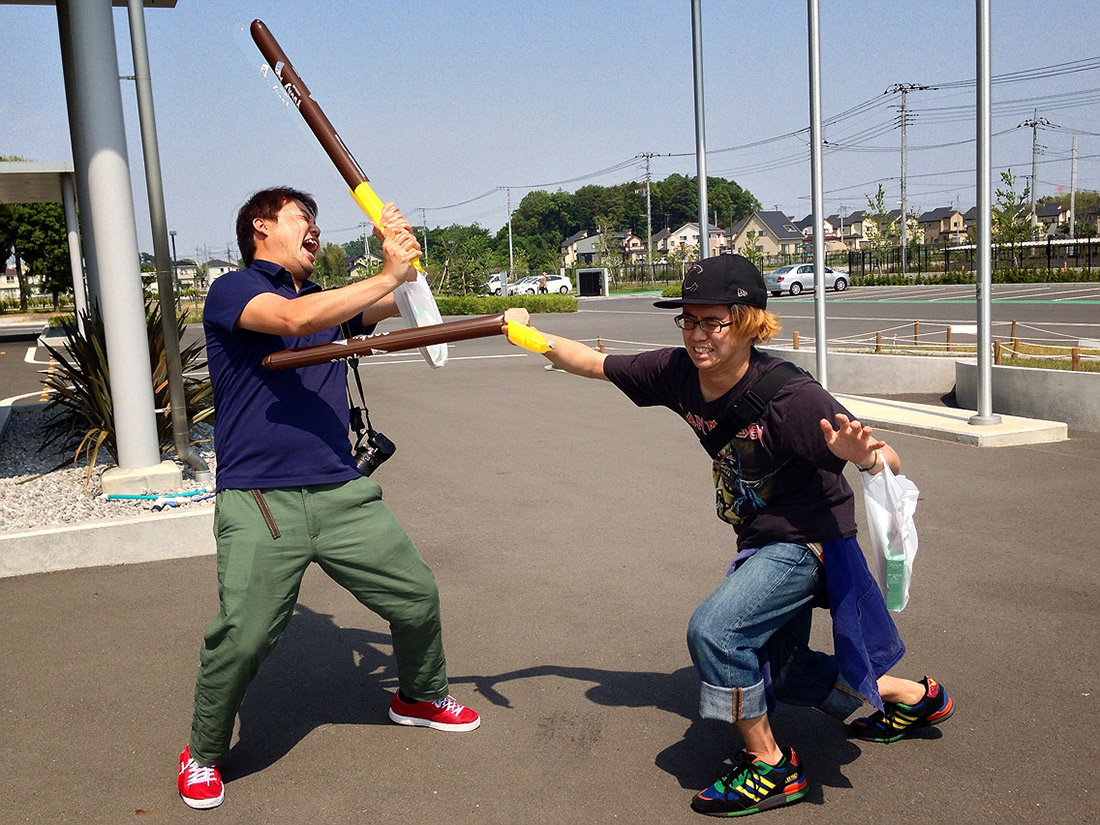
[282, 277]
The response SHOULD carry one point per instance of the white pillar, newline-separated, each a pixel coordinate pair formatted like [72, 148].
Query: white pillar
[92, 79]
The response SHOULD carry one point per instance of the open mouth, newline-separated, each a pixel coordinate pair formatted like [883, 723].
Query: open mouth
[311, 246]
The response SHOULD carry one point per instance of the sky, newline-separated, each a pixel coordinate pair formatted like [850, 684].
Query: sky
[453, 107]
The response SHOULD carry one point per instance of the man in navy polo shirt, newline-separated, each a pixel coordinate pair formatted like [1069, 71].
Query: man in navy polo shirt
[289, 492]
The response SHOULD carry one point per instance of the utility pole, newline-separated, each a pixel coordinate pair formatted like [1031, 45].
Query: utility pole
[1073, 191]
[424, 223]
[511, 258]
[905, 89]
[1035, 122]
[649, 214]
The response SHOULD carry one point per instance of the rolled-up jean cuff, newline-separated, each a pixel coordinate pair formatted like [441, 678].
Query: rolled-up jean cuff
[732, 704]
[842, 700]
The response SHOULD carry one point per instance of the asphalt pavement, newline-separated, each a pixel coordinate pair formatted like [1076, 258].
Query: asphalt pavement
[572, 536]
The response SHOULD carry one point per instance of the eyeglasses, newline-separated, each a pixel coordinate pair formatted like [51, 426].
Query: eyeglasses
[708, 325]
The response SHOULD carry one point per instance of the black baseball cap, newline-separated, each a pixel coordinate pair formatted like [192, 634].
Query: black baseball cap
[722, 279]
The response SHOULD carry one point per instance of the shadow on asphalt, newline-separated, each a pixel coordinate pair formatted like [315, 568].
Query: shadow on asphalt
[308, 679]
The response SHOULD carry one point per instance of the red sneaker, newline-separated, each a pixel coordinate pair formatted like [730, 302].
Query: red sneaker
[199, 787]
[442, 714]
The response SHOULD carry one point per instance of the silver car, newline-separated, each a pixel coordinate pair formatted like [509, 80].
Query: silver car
[794, 278]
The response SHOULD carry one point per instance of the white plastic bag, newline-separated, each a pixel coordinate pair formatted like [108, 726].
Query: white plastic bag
[418, 309]
[890, 502]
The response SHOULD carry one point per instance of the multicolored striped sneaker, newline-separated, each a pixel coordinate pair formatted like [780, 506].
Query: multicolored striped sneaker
[753, 786]
[900, 719]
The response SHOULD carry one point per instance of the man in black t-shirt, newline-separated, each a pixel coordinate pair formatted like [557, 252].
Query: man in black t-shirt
[779, 484]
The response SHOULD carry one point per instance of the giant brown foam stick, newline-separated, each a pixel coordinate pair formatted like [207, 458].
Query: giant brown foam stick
[315, 118]
[463, 330]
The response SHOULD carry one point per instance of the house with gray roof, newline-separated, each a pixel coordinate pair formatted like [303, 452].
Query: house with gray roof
[776, 234]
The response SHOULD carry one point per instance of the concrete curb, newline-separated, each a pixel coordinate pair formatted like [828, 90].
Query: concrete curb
[951, 424]
[107, 542]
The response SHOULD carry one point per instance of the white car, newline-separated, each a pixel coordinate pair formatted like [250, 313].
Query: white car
[554, 283]
[524, 286]
[794, 278]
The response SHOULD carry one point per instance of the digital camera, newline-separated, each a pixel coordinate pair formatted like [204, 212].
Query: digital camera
[377, 449]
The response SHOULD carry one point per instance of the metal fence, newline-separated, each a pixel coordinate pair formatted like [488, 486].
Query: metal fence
[1049, 254]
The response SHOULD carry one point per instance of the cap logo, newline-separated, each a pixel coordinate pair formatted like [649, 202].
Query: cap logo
[694, 285]
[741, 293]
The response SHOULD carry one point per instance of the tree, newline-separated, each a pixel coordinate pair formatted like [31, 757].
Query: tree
[41, 240]
[1011, 222]
[879, 228]
[331, 268]
[751, 250]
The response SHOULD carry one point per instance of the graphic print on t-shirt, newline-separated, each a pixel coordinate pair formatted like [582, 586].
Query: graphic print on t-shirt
[739, 492]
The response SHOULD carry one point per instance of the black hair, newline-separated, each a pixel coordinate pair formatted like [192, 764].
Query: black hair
[265, 204]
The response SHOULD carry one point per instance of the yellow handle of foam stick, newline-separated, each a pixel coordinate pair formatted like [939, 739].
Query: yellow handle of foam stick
[372, 205]
[528, 338]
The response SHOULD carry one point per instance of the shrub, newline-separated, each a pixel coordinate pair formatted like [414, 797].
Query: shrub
[672, 291]
[81, 410]
[492, 304]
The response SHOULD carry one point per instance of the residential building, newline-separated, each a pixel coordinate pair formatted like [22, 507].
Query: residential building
[944, 225]
[776, 234]
[660, 243]
[1051, 216]
[569, 248]
[583, 249]
[9, 285]
[216, 267]
[687, 236]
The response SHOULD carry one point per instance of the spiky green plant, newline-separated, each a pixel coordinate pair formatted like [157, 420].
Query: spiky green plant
[80, 411]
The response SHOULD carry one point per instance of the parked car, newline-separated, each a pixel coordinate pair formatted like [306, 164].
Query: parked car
[557, 283]
[530, 285]
[492, 283]
[794, 278]
[524, 286]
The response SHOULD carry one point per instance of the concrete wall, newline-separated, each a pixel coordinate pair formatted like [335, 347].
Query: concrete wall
[865, 374]
[1058, 395]
[1062, 395]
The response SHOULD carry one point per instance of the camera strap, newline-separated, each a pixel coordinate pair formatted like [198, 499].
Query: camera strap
[358, 412]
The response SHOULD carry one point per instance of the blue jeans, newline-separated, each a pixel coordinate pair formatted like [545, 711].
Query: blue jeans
[761, 613]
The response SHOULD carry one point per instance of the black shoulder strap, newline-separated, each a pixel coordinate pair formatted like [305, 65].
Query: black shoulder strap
[748, 409]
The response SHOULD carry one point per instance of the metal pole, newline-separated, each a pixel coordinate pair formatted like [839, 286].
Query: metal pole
[1034, 161]
[817, 192]
[1073, 191]
[649, 218]
[904, 171]
[175, 267]
[700, 126]
[177, 392]
[983, 277]
[423, 223]
[94, 80]
[80, 289]
[511, 258]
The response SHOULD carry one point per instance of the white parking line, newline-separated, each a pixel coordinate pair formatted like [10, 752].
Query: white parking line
[7, 402]
[30, 359]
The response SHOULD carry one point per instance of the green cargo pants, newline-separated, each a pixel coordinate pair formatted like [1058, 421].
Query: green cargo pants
[353, 535]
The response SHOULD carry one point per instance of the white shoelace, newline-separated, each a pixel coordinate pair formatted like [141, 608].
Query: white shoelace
[197, 774]
[449, 704]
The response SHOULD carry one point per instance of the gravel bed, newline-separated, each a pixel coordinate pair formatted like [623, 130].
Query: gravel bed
[34, 496]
